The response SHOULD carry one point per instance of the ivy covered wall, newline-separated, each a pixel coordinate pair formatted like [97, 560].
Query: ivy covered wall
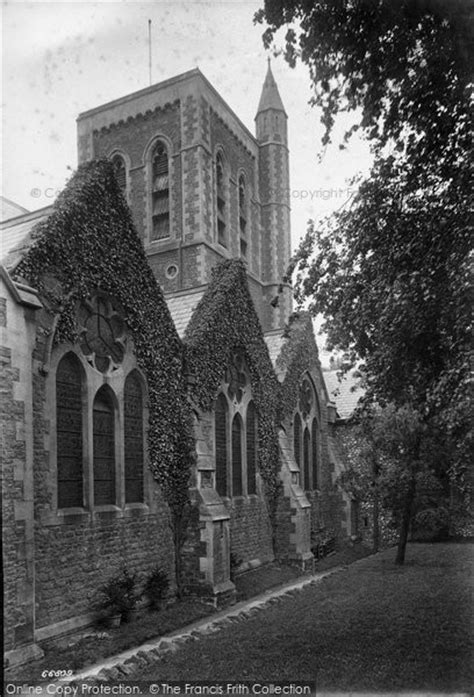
[225, 321]
[89, 243]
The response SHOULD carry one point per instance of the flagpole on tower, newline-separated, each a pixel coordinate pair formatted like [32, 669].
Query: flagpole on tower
[149, 49]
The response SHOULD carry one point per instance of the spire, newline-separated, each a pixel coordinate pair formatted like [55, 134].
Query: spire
[270, 98]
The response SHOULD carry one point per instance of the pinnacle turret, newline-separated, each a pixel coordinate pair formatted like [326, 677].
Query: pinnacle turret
[270, 97]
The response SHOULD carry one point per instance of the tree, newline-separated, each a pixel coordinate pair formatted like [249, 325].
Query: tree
[391, 273]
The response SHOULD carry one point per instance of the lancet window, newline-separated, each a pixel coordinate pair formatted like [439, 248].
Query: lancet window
[306, 446]
[221, 199]
[160, 192]
[235, 428]
[120, 171]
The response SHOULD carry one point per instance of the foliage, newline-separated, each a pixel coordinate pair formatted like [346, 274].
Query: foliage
[119, 594]
[298, 355]
[397, 459]
[223, 322]
[156, 587]
[391, 274]
[400, 63]
[89, 243]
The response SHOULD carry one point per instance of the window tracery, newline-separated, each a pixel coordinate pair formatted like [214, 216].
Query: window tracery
[94, 382]
[235, 429]
[102, 333]
[306, 435]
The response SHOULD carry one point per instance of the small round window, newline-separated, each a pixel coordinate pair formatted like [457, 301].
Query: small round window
[171, 271]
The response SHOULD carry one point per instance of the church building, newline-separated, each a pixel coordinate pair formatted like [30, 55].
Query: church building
[163, 405]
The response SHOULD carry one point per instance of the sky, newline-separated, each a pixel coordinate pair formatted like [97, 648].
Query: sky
[62, 58]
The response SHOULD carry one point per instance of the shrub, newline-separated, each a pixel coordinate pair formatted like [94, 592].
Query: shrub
[119, 594]
[156, 587]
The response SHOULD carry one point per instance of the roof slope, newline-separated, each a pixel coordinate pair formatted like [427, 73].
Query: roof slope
[182, 307]
[10, 209]
[18, 236]
[345, 392]
[270, 97]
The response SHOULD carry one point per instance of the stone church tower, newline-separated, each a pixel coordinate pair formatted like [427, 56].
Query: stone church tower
[201, 187]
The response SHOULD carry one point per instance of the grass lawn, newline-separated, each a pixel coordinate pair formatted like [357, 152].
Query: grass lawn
[371, 627]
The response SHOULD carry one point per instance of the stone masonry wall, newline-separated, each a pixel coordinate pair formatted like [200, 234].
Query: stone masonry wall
[73, 560]
[17, 331]
[250, 529]
[132, 138]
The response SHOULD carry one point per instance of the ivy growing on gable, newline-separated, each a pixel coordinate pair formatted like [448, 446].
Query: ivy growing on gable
[298, 355]
[89, 244]
[225, 321]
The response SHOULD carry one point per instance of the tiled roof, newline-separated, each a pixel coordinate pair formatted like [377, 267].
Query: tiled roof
[181, 308]
[274, 342]
[10, 209]
[16, 236]
[344, 393]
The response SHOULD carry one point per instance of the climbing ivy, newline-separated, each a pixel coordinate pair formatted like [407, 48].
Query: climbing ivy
[225, 321]
[89, 244]
[298, 355]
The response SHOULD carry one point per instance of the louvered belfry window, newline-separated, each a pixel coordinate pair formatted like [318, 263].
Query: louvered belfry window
[251, 449]
[306, 456]
[120, 171]
[103, 422]
[133, 425]
[160, 193]
[237, 489]
[221, 195]
[314, 447]
[221, 417]
[69, 432]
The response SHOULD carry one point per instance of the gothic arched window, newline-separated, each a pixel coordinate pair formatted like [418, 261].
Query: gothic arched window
[160, 192]
[236, 432]
[305, 435]
[243, 216]
[221, 200]
[314, 446]
[221, 445]
[133, 437]
[103, 427]
[297, 439]
[69, 432]
[237, 488]
[120, 171]
[251, 449]
[306, 484]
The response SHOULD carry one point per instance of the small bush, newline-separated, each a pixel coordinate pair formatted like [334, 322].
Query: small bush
[119, 594]
[156, 587]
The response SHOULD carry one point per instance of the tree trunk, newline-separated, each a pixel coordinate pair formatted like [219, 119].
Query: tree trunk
[375, 522]
[405, 525]
[177, 556]
[375, 510]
